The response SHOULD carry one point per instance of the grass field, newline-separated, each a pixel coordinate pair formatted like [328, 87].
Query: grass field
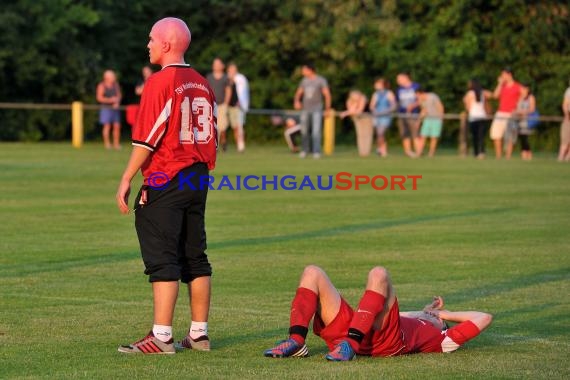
[488, 235]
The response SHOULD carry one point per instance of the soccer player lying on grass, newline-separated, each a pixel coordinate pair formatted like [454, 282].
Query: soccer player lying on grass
[377, 327]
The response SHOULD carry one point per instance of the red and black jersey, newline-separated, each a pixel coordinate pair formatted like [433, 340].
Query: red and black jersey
[176, 121]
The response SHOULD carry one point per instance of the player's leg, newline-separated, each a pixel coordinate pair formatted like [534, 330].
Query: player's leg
[157, 230]
[372, 312]
[158, 227]
[315, 295]
[196, 268]
[165, 294]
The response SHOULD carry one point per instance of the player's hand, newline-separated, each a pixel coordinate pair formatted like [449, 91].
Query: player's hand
[437, 304]
[123, 196]
[297, 105]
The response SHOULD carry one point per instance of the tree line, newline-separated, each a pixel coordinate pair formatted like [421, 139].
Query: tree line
[54, 51]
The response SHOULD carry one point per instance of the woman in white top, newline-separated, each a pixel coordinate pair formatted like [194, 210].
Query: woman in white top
[474, 101]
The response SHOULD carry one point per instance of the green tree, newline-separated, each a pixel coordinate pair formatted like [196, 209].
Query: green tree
[56, 50]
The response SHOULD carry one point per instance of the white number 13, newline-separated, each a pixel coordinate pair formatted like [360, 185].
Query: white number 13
[202, 131]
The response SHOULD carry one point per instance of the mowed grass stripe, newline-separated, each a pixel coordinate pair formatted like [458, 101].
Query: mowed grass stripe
[485, 234]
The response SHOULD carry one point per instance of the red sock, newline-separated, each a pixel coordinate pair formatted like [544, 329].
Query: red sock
[303, 308]
[370, 306]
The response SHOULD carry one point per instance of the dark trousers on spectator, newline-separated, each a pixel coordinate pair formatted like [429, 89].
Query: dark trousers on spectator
[478, 129]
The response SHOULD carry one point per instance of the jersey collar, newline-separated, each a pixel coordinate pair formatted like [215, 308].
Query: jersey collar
[177, 65]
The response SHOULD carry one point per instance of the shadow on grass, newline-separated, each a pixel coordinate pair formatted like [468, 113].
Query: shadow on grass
[513, 283]
[18, 270]
[350, 228]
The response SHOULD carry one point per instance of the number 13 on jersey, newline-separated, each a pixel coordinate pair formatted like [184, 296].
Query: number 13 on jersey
[202, 130]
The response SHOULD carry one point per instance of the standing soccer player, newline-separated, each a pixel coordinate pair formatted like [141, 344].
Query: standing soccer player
[174, 144]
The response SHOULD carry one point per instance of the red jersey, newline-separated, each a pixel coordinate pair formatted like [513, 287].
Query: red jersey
[422, 336]
[176, 121]
[509, 97]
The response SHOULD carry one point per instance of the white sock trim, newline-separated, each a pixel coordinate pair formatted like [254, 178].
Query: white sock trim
[198, 329]
[162, 332]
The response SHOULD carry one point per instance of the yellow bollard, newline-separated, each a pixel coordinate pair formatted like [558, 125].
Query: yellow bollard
[328, 133]
[77, 124]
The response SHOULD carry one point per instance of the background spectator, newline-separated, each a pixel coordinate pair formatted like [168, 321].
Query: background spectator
[238, 104]
[314, 91]
[133, 109]
[109, 95]
[432, 115]
[219, 83]
[526, 108]
[475, 100]
[291, 133]
[508, 93]
[355, 106]
[407, 104]
[146, 73]
[382, 104]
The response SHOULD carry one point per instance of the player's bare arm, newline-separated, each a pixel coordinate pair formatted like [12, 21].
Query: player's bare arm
[478, 318]
[138, 157]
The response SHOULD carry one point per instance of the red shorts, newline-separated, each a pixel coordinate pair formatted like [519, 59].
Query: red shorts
[387, 341]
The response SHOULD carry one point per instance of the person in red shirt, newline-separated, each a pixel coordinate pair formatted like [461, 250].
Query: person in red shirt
[174, 145]
[508, 91]
[376, 327]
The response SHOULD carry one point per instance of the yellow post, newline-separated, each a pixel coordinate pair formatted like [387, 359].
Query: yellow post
[77, 124]
[328, 133]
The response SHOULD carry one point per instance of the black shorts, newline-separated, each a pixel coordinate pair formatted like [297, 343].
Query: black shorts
[408, 127]
[171, 231]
